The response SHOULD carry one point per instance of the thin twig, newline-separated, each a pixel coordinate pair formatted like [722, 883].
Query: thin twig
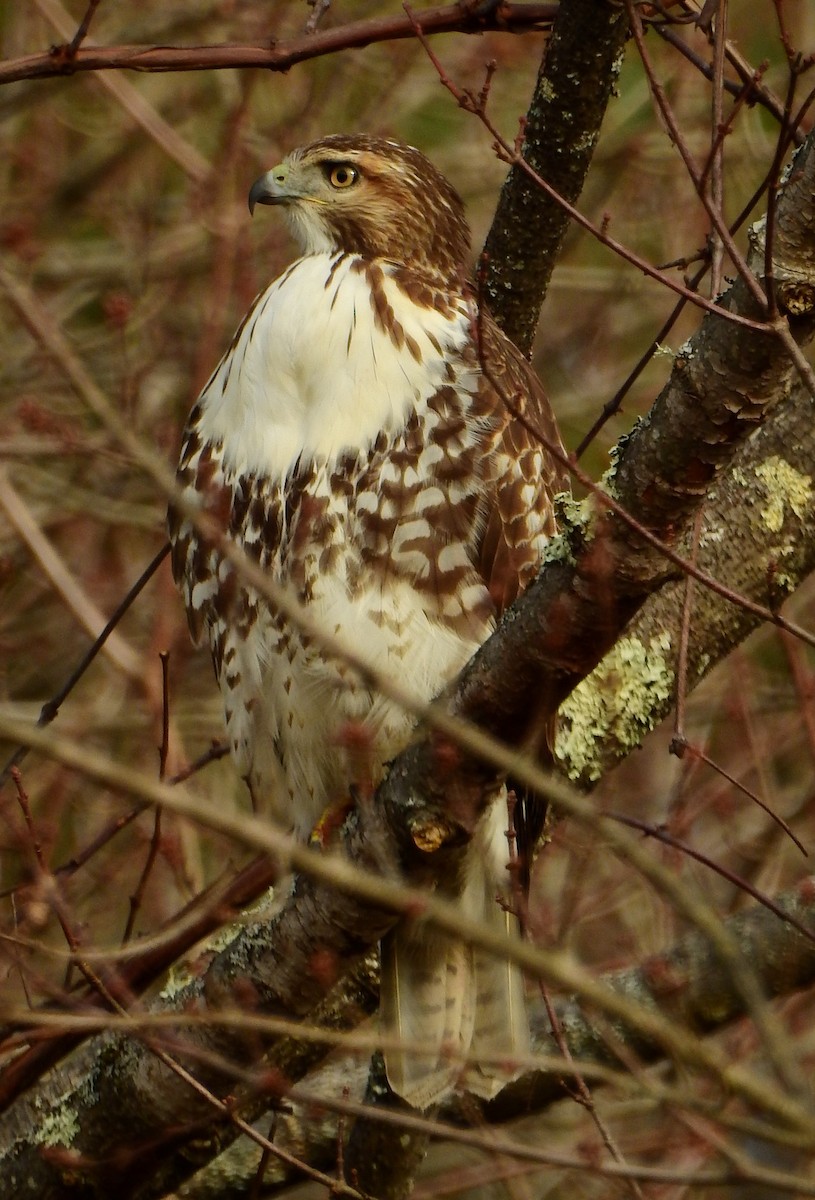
[660, 834]
[511, 155]
[339, 874]
[51, 707]
[76, 599]
[52, 892]
[275, 55]
[719, 224]
[581, 1093]
[612, 406]
[804, 685]
[684, 633]
[83, 27]
[717, 147]
[680, 746]
[131, 100]
[756, 91]
[155, 840]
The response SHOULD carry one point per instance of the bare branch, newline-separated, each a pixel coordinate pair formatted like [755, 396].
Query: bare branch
[274, 56]
[560, 132]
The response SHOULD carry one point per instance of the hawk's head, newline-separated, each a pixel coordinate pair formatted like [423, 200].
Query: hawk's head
[370, 196]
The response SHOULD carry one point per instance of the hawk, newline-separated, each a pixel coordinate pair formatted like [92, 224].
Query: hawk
[356, 446]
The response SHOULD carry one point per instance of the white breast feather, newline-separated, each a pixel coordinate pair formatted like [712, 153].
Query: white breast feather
[316, 374]
[311, 376]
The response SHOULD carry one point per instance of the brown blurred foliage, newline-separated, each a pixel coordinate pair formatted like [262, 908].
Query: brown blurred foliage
[125, 214]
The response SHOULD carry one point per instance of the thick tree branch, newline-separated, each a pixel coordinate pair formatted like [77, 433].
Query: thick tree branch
[562, 125]
[725, 383]
[758, 537]
[285, 965]
[685, 981]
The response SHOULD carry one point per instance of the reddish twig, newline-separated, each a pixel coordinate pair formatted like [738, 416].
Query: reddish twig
[55, 900]
[750, 77]
[274, 56]
[512, 156]
[659, 834]
[206, 913]
[774, 322]
[612, 406]
[680, 746]
[155, 840]
[580, 1092]
[783, 142]
[217, 750]
[804, 685]
[675, 133]
[684, 634]
[720, 129]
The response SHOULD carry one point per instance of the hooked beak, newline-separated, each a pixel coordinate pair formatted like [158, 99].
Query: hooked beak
[270, 188]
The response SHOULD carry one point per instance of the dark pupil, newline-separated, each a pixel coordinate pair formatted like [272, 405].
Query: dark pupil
[342, 175]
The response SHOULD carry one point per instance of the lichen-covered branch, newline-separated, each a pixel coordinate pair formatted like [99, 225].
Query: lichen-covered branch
[562, 125]
[725, 384]
[686, 981]
[758, 537]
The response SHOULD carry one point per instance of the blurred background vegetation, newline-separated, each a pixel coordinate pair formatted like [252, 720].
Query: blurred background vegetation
[124, 211]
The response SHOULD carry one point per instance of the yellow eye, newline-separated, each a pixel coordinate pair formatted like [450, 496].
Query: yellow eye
[342, 176]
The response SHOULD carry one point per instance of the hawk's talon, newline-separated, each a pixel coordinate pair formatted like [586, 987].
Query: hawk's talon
[331, 822]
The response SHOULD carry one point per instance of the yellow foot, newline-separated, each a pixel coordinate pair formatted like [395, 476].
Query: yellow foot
[330, 823]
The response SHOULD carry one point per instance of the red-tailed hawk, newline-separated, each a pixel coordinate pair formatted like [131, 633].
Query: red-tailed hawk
[358, 451]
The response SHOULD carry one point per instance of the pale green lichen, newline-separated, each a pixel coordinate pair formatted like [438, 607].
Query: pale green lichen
[711, 537]
[546, 90]
[786, 488]
[608, 482]
[788, 491]
[179, 976]
[622, 699]
[59, 1127]
[571, 513]
[618, 451]
[184, 973]
[558, 550]
[572, 518]
[784, 581]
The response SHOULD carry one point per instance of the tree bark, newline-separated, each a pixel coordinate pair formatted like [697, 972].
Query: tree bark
[757, 536]
[562, 125]
[685, 981]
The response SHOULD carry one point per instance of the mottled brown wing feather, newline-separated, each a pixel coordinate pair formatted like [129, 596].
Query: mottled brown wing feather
[527, 475]
[521, 509]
